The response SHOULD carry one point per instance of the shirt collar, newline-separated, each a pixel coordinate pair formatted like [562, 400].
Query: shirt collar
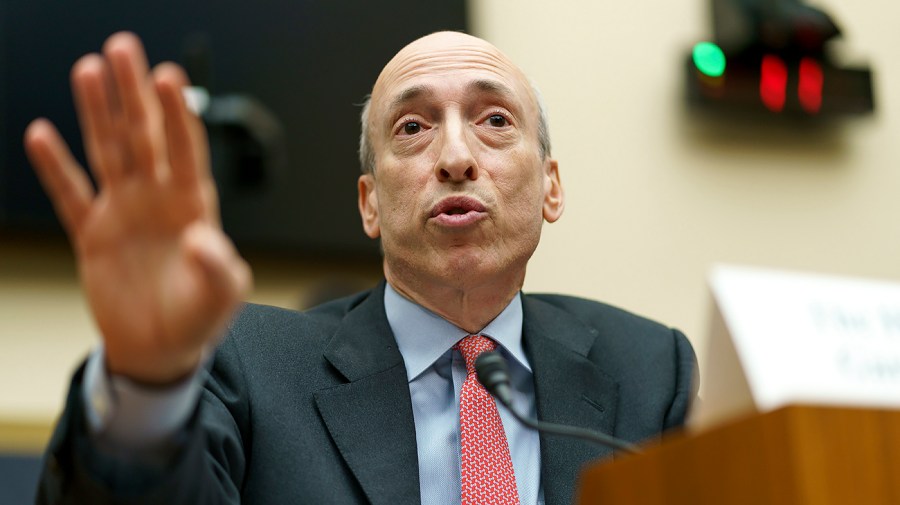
[423, 336]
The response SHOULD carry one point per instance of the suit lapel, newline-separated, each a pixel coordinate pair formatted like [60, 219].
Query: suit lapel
[370, 418]
[570, 389]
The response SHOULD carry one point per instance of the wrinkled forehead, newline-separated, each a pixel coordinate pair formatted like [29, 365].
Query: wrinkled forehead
[434, 57]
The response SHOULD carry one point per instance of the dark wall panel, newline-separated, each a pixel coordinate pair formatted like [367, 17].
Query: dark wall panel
[308, 63]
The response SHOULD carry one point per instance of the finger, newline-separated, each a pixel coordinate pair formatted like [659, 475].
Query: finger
[63, 179]
[140, 104]
[227, 276]
[188, 147]
[97, 109]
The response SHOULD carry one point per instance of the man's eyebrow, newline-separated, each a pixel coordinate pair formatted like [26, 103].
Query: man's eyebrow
[409, 94]
[491, 86]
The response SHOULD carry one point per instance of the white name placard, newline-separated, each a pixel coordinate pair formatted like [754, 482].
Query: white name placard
[780, 338]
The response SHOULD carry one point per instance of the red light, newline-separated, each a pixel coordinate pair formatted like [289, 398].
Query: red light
[773, 82]
[809, 89]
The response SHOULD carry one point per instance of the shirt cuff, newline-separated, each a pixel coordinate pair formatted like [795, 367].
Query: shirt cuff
[127, 415]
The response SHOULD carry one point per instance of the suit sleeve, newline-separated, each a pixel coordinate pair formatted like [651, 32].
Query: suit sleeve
[206, 461]
[686, 381]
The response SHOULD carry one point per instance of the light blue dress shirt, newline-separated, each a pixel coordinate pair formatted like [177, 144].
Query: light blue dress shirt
[124, 414]
[436, 373]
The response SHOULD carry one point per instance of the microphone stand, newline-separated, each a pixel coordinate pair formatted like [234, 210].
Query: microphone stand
[494, 376]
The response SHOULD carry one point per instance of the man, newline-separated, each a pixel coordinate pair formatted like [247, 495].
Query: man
[357, 401]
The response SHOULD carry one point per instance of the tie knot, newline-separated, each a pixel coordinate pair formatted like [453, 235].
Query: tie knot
[473, 346]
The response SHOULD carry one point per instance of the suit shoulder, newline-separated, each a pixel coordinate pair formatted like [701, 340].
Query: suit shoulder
[599, 315]
[253, 315]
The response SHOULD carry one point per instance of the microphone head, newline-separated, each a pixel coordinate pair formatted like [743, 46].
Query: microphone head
[493, 374]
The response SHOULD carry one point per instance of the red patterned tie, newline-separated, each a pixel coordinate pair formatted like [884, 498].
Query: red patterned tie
[487, 471]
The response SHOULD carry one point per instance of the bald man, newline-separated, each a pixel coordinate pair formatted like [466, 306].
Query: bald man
[193, 398]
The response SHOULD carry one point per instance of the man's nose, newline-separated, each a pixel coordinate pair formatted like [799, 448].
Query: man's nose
[456, 162]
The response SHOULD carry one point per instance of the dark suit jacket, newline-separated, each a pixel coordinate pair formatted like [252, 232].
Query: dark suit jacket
[314, 408]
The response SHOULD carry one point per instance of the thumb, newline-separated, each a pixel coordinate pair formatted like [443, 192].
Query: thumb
[226, 276]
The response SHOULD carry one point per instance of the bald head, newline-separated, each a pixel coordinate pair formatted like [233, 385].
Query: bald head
[444, 53]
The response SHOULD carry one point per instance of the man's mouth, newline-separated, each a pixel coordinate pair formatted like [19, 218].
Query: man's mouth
[455, 205]
[455, 211]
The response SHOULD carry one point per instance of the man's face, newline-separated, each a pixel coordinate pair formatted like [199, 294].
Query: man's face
[460, 187]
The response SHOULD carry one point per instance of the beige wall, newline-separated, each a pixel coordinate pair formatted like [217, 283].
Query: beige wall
[654, 196]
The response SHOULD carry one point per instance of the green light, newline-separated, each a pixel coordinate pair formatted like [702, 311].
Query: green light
[709, 59]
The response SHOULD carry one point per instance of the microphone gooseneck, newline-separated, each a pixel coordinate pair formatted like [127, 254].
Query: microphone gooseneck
[493, 374]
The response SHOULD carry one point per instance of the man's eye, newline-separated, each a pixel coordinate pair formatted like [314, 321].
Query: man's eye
[497, 120]
[412, 128]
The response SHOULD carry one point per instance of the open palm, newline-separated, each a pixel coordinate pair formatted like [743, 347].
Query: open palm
[160, 276]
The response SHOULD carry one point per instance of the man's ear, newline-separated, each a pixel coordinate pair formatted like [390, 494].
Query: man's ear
[368, 205]
[554, 196]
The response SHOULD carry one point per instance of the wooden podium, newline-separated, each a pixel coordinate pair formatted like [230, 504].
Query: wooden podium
[792, 456]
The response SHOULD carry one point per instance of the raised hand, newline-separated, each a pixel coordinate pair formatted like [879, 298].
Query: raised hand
[161, 278]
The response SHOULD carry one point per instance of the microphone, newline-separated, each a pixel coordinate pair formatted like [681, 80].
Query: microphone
[493, 374]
